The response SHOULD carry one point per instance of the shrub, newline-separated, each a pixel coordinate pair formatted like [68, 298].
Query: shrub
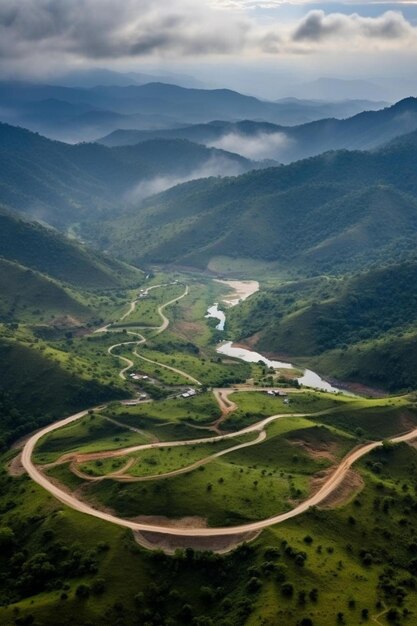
[82, 591]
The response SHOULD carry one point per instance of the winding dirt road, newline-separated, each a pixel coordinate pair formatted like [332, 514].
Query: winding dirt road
[69, 499]
[159, 329]
[121, 475]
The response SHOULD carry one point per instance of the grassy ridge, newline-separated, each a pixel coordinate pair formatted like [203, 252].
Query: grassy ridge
[31, 297]
[24, 371]
[46, 251]
[346, 564]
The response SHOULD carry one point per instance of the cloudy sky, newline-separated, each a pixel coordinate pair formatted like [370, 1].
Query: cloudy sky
[244, 43]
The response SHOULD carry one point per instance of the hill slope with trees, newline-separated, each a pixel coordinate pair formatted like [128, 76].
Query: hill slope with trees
[361, 328]
[61, 183]
[336, 212]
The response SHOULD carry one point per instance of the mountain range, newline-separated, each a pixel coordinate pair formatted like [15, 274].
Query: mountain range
[331, 213]
[76, 113]
[363, 131]
[46, 251]
[62, 184]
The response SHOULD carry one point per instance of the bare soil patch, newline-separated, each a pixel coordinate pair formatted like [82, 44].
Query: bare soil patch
[317, 449]
[188, 329]
[15, 467]
[351, 484]
[358, 389]
[249, 343]
[241, 289]
[192, 521]
[170, 543]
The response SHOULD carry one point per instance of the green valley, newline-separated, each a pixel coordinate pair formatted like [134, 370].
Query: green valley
[208, 323]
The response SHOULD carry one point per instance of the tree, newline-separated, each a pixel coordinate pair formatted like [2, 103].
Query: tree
[6, 537]
[98, 585]
[186, 613]
[82, 591]
[254, 584]
[393, 615]
[287, 589]
[313, 595]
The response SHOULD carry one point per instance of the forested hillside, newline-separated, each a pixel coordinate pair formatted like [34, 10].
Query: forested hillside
[364, 131]
[47, 251]
[51, 290]
[361, 328]
[333, 213]
[61, 183]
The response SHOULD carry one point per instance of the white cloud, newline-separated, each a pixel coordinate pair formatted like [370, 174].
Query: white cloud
[37, 33]
[215, 165]
[260, 146]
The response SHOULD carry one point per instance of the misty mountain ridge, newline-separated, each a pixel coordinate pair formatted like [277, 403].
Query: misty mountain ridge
[334, 89]
[50, 253]
[254, 139]
[95, 77]
[147, 107]
[332, 213]
[61, 183]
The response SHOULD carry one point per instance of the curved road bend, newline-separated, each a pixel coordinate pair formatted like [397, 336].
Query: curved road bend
[121, 476]
[70, 500]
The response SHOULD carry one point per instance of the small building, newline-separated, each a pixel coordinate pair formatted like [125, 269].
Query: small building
[276, 392]
[189, 393]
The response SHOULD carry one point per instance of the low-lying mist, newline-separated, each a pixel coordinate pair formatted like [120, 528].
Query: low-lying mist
[260, 146]
[214, 166]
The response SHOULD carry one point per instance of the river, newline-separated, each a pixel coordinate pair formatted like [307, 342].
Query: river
[308, 379]
[216, 313]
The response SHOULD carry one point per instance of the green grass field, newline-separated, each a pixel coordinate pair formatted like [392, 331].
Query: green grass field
[201, 409]
[145, 312]
[157, 461]
[374, 419]
[341, 565]
[236, 486]
[209, 371]
[92, 433]
[317, 566]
